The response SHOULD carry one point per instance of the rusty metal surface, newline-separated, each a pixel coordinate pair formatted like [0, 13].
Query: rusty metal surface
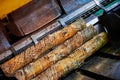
[33, 16]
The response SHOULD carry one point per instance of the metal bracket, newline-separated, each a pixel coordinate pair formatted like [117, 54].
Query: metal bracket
[91, 20]
[34, 39]
[62, 22]
[13, 50]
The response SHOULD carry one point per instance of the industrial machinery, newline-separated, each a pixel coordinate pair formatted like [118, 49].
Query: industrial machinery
[24, 23]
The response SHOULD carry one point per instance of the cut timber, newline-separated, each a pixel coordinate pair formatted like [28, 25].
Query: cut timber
[58, 53]
[45, 44]
[74, 60]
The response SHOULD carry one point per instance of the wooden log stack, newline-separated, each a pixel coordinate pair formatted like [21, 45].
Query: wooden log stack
[33, 52]
[71, 46]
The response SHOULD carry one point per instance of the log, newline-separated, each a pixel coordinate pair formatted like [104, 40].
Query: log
[74, 60]
[57, 54]
[44, 45]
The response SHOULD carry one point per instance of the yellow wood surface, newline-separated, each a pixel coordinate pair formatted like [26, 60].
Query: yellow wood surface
[7, 6]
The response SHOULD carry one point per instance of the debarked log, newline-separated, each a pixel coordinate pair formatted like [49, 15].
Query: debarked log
[57, 54]
[74, 60]
[45, 44]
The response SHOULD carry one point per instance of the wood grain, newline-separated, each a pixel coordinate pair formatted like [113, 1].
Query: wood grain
[45, 44]
[57, 54]
[74, 60]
